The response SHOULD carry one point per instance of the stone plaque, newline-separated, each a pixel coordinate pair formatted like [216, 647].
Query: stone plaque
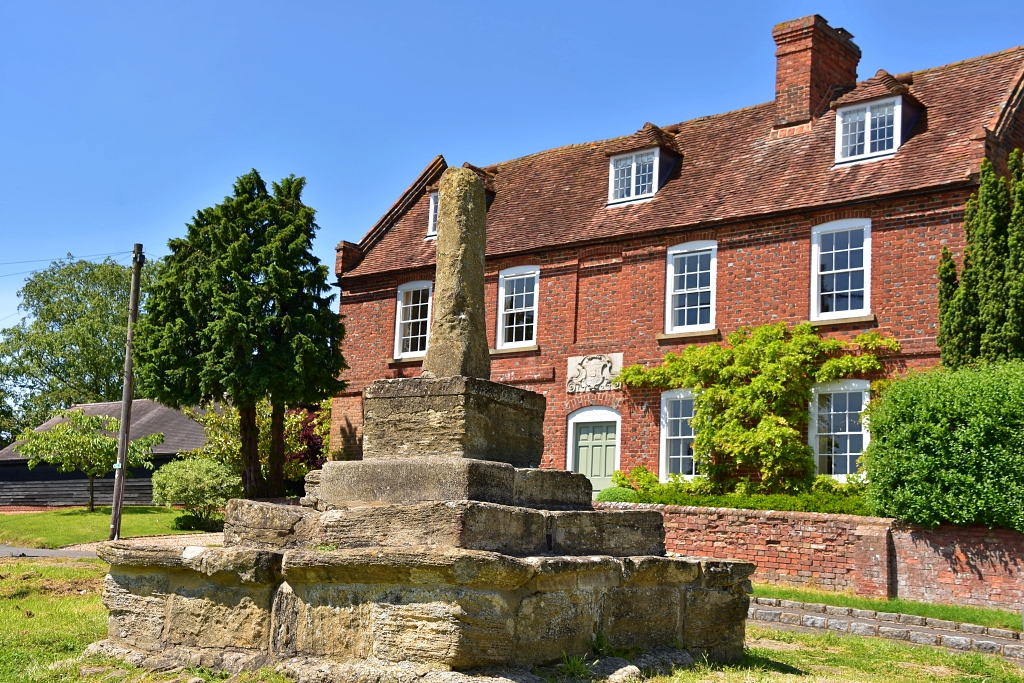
[596, 372]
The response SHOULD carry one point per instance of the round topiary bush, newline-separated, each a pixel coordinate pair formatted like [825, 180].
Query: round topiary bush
[618, 494]
[949, 447]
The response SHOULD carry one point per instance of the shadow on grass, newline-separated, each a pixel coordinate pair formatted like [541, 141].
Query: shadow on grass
[753, 661]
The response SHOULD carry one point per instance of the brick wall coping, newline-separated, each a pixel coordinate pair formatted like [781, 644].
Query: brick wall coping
[763, 514]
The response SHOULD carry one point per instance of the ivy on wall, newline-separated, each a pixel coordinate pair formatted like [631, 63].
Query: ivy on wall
[752, 394]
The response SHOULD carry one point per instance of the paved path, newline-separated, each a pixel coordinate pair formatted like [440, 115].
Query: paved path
[12, 551]
[89, 549]
[905, 627]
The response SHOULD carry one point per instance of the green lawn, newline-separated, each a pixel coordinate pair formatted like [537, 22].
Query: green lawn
[963, 613]
[774, 655]
[57, 528]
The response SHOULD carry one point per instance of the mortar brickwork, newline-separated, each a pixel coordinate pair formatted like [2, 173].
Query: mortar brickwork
[869, 556]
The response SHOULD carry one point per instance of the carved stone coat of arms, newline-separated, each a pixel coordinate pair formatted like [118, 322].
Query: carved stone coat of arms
[596, 372]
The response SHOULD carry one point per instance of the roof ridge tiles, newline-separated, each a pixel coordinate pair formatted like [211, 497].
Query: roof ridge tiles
[1000, 53]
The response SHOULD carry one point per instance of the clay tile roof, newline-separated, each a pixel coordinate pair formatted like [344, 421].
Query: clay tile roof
[648, 136]
[181, 433]
[882, 84]
[486, 175]
[734, 169]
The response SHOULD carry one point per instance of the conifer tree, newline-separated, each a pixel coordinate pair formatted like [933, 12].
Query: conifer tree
[240, 310]
[1014, 326]
[974, 309]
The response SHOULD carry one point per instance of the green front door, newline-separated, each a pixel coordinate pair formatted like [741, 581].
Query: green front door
[594, 453]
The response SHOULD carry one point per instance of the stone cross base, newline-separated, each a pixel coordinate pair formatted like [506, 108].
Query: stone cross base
[457, 416]
[447, 608]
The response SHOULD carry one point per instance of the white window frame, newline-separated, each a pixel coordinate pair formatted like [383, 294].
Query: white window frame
[670, 273]
[828, 388]
[816, 233]
[405, 287]
[897, 131]
[591, 414]
[432, 216]
[666, 396]
[518, 271]
[632, 177]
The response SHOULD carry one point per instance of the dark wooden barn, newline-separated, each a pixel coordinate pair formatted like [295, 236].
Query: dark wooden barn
[44, 485]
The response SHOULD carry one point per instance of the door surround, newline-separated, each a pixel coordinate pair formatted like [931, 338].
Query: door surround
[591, 414]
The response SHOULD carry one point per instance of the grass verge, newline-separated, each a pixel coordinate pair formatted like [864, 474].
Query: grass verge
[57, 528]
[774, 655]
[983, 616]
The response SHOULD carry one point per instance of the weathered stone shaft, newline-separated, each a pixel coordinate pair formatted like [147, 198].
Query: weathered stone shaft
[458, 334]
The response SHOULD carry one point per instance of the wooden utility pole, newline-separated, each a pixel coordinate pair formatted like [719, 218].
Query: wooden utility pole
[126, 398]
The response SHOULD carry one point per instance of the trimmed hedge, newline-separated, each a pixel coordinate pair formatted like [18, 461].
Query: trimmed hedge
[949, 447]
[826, 494]
[832, 503]
[618, 494]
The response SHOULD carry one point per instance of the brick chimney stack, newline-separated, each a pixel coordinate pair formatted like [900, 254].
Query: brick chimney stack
[815, 63]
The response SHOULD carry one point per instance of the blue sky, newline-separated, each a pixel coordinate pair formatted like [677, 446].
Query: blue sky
[119, 120]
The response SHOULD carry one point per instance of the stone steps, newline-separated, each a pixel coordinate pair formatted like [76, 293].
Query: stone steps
[892, 625]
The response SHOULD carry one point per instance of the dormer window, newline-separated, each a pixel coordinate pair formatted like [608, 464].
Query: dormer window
[868, 131]
[633, 176]
[432, 220]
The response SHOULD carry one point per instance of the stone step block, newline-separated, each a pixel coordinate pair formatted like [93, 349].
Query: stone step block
[472, 525]
[411, 480]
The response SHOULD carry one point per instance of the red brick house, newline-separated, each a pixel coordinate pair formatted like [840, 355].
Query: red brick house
[829, 204]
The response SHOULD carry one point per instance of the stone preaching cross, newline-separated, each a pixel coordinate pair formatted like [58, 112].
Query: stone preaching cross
[445, 550]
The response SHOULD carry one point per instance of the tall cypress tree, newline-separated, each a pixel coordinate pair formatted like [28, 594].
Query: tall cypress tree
[976, 316]
[990, 254]
[1014, 326]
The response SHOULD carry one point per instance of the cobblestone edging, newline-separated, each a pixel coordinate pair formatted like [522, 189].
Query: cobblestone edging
[908, 627]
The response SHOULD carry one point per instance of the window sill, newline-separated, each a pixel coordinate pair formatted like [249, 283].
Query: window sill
[515, 349]
[672, 336]
[863, 160]
[393, 362]
[845, 321]
[627, 202]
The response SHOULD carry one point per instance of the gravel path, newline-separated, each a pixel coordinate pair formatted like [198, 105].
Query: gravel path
[172, 540]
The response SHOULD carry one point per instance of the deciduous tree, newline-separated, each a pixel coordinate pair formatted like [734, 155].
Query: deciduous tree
[69, 347]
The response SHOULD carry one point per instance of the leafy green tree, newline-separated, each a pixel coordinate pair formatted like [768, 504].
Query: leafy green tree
[240, 311]
[69, 347]
[220, 426]
[752, 395]
[84, 443]
[981, 311]
[8, 418]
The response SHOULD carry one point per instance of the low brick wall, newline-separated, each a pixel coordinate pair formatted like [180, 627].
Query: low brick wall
[962, 565]
[870, 556]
